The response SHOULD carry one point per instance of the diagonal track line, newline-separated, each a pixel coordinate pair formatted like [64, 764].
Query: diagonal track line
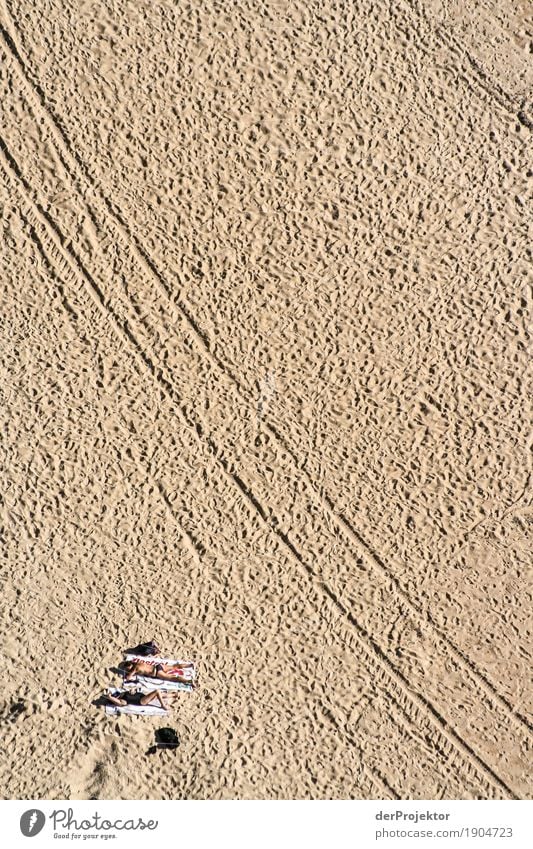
[455, 46]
[190, 543]
[369, 648]
[38, 99]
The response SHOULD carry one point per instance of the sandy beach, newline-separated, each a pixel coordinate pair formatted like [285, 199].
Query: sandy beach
[265, 395]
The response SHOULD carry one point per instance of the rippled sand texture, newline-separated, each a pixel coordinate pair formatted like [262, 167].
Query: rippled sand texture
[265, 394]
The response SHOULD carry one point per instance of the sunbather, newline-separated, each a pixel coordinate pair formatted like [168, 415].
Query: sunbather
[163, 671]
[122, 698]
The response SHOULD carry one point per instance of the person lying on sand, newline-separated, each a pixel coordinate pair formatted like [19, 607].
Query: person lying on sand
[163, 671]
[122, 698]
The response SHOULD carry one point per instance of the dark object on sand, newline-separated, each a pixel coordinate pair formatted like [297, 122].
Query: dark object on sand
[166, 738]
[145, 649]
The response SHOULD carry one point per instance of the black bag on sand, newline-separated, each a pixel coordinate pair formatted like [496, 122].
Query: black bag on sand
[166, 738]
[145, 649]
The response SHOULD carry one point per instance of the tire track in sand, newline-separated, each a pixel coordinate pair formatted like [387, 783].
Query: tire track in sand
[455, 46]
[36, 97]
[374, 654]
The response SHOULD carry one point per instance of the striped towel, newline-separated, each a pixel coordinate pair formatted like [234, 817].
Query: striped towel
[147, 683]
[166, 661]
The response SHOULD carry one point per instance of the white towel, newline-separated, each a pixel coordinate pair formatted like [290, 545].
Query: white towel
[135, 710]
[146, 685]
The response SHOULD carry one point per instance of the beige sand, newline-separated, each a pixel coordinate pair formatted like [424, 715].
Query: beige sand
[265, 394]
